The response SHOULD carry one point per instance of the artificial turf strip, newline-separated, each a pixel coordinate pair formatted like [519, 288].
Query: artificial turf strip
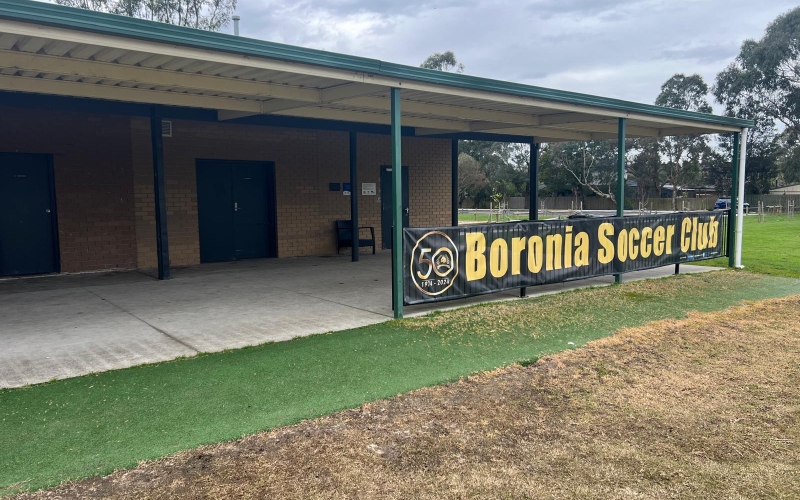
[94, 424]
[769, 247]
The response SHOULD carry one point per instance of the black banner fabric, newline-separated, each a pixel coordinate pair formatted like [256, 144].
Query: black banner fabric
[455, 262]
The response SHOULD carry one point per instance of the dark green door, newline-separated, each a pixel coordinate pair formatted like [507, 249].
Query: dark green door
[386, 203]
[236, 210]
[28, 242]
[215, 211]
[250, 227]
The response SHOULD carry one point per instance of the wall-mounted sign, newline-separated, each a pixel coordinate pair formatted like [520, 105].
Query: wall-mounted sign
[346, 188]
[368, 189]
[333, 186]
[456, 262]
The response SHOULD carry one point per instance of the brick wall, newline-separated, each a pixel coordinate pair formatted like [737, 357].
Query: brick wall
[306, 161]
[428, 161]
[93, 178]
[104, 182]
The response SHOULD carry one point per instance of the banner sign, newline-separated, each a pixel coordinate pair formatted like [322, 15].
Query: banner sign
[457, 262]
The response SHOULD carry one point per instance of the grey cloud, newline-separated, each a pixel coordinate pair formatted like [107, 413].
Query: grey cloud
[547, 9]
[707, 53]
[618, 48]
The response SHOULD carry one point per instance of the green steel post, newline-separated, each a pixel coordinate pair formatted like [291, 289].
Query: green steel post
[397, 209]
[162, 245]
[533, 181]
[454, 182]
[734, 199]
[620, 177]
[354, 233]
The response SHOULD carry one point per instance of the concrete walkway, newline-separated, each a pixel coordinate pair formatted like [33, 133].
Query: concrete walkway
[62, 326]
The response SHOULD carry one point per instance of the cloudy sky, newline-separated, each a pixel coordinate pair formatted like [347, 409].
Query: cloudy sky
[615, 48]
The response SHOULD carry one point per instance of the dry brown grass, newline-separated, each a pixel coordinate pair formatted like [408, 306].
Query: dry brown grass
[705, 407]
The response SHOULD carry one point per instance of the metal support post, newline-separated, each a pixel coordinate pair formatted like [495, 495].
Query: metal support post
[533, 181]
[740, 176]
[620, 176]
[397, 208]
[354, 195]
[454, 181]
[734, 197]
[162, 240]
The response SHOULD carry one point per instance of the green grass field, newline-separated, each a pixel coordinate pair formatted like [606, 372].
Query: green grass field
[94, 424]
[771, 247]
[485, 218]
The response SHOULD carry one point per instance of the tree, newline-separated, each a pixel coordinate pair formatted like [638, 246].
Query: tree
[443, 61]
[717, 170]
[505, 166]
[763, 146]
[646, 168]
[766, 74]
[788, 161]
[211, 15]
[763, 84]
[591, 163]
[557, 181]
[471, 181]
[683, 154]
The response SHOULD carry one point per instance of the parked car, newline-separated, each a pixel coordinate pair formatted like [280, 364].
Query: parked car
[725, 203]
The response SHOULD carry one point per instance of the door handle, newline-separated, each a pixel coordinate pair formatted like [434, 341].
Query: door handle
[406, 211]
[235, 206]
[47, 210]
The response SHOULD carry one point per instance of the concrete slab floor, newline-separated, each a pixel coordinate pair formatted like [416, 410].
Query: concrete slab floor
[56, 327]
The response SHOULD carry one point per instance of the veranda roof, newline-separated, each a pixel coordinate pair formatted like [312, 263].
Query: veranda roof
[56, 50]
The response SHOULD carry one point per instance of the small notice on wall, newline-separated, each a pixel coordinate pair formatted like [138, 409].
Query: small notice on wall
[346, 188]
[368, 189]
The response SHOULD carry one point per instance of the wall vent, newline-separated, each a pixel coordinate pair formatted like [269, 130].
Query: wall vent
[166, 128]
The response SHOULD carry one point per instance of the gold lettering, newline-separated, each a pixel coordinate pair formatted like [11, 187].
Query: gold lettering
[633, 243]
[498, 258]
[555, 245]
[686, 240]
[702, 238]
[475, 260]
[647, 233]
[658, 240]
[713, 233]
[517, 247]
[535, 251]
[606, 253]
[582, 250]
[670, 237]
[568, 248]
[622, 245]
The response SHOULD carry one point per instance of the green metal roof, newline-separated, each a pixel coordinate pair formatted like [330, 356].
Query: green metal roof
[110, 24]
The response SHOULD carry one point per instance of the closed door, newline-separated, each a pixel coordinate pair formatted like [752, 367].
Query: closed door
[28, 241]
[236, 210]
[386, 203]
[250, 227]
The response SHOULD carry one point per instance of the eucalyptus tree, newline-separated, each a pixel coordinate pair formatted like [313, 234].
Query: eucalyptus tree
[763, 84]
[443, 61]
[211, 15]
[766, 73]
[645, 166]
[590, 165]
[471, 180]
[684, 154]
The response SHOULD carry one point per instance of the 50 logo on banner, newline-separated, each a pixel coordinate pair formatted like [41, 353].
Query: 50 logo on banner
[434, 263]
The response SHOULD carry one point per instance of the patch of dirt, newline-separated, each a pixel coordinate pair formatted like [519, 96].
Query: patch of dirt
[708, 406]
